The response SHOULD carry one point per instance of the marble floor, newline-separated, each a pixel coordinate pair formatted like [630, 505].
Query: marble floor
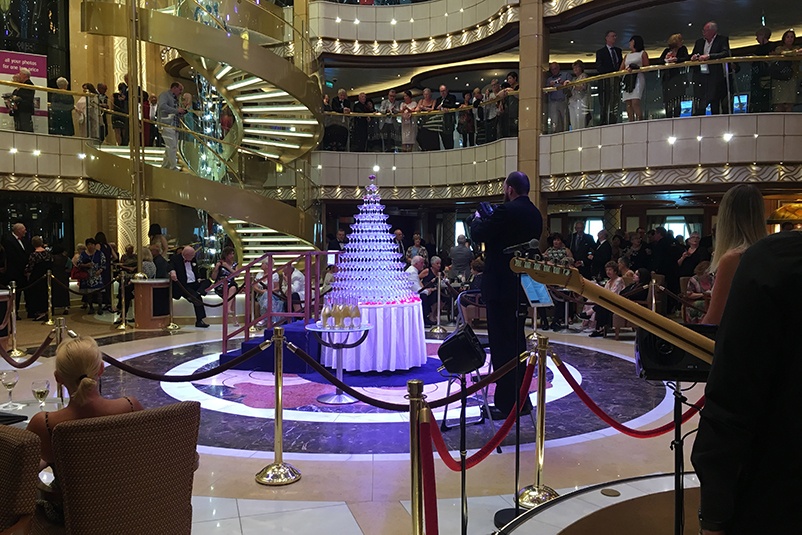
[355, 485]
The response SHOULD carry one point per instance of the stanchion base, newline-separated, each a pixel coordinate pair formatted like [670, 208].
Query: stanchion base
[278, 474]
[533, 496]
[49, 322]
[16, 353]
[122, 326]
[336, 399]
[437, 329]
[173, 327]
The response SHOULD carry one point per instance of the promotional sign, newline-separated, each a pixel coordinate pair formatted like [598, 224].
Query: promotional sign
[10, 64]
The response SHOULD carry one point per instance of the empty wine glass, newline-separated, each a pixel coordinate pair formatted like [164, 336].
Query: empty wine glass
[41, 389]
[9, 380]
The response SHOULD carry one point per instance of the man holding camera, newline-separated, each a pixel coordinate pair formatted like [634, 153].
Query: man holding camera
[516, 221]
[20, 102]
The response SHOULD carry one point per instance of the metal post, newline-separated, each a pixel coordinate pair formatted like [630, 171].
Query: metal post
[123, 312]
[415, 396]
[278, 472]
[653, 294]
[49, 299]
[61, 330]
[538, 494]
[172, 326]
[437, 329]
[12, 303]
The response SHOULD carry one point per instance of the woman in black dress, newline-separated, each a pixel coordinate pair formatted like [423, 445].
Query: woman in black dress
[673, 79]
[106, 274]
[36, 295]
[62, 265]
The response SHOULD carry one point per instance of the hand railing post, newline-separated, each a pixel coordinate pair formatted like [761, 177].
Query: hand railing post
[278, 472]
[438, 329]
[123, 310]
[172, 326]
[538, 494]
[12, 304]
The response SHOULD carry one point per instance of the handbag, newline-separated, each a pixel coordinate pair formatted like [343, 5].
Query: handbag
[782, 70]
[78, 273]
[462, 352]
[629, 82]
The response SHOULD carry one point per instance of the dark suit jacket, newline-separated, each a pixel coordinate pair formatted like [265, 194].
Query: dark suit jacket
[25, 105]
[604, 62]
[163, 267]
[720, 48]
[450, 103]
[334, 245]
[512, 223]
[16, 257]
[177, 265]
[603, 254]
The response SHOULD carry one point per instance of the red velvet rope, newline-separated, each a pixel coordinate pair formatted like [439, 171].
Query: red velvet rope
[606, 418]
[428, 478]
[487, 449]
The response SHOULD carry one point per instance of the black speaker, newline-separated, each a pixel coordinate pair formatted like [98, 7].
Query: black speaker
[658, 360]
[462, 352]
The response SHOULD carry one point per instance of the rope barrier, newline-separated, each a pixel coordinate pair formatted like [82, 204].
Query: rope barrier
[31, 284]
[7, 319]
[606, 418]
[85, 292]
[191, 377]
[453, 398]
[493, 443]
[195, 301]
[687, 302]
[428, 478]
[38, 353]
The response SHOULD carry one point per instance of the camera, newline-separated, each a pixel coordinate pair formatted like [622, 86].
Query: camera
[485, 209]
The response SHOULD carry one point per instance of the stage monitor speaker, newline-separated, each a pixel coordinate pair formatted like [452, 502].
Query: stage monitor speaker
[462, 352]
[658, 360]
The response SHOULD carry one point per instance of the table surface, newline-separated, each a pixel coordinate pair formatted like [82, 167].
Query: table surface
[320, 329]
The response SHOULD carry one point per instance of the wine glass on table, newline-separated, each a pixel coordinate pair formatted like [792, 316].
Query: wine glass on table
[9, 380]
[41, 389]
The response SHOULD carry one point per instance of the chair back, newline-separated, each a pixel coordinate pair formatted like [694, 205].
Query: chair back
[20, 451]
[128, 473]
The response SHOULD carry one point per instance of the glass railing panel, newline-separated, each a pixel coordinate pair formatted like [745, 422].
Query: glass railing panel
[734, 85]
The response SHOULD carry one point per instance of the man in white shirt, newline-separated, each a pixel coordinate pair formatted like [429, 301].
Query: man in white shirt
[169, 112]
[709, 81]
[391, 127]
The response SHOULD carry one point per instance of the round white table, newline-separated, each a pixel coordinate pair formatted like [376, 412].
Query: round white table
[337, 339]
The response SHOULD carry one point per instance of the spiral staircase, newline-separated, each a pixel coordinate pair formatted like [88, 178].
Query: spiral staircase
[265, 72]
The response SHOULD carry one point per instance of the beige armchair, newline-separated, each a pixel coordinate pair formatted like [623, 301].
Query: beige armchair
[128, 474]
[19, 466]
[659, 301]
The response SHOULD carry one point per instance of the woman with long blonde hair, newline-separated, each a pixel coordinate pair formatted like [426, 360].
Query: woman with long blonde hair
[741, 223]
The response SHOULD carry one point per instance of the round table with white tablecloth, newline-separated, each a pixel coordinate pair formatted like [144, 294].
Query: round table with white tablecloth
[396, 342]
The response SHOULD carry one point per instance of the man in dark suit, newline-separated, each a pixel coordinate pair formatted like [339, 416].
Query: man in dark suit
[603, 254]
[398, 244]
[187, 282]
[709, 81]
[338, 244]
[582, 246]
[17, 248]
[608, 59]
[516, 221]
[447, 102]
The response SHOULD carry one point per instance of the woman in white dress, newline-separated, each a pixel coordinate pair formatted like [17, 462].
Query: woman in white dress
[579, 101]
[87, 108]
[636, 59]
[409, 128]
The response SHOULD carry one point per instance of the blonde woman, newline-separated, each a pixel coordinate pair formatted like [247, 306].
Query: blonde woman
[78, 367]
[741, 223]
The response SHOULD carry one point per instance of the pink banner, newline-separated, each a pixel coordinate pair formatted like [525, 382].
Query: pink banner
[11, 62]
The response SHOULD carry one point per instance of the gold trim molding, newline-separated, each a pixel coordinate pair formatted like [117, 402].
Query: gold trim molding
[395, 193]
[72, 186]
[728, 174]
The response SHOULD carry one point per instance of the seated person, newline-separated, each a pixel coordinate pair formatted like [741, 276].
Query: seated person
[604, 317]
[78, 367]
[638, 290]
[700, 286]
[295, 288]
[328, 279]
[429, 284]
[557, 252]
[477, 268]
[261, 287]
[187, 282]
[624, 267]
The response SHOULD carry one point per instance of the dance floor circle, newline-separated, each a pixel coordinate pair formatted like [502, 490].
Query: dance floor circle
[238, 406]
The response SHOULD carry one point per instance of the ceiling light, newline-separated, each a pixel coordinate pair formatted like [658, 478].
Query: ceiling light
[37, 152]
[394, 168]
[411, 20]
[376, 168]
[244, 83]
[356, 21]
[756, 135]
[672, 140]
[263, 95]
[81, 156]
[288, 122]
[727, 137]
[579, 149]
[13, 150]
[698, 138]
[257, 109]
[461, 10]
[338, 20]
[225, 70]
[319, 166]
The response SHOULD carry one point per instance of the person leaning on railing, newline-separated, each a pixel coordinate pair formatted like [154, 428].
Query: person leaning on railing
[785, 75]
[61, 106]
[673, 80]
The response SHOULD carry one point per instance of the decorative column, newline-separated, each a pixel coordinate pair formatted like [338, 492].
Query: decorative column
[449, 235]
[612, 218]
[532, 40]
[127, 223]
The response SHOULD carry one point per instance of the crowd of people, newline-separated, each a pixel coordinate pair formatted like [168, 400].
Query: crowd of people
[773, 85]
[402, 124]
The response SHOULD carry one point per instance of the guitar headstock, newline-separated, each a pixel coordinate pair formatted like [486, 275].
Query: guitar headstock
[546, 273]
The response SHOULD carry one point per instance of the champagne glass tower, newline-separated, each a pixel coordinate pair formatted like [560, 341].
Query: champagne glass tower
[371, 271]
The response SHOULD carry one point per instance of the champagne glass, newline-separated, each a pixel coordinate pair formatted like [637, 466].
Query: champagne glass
[40, 389]
[9, 380]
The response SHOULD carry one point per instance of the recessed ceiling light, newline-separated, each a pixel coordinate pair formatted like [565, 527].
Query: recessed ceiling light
[393, 22]
[338, 20]
[356, 21]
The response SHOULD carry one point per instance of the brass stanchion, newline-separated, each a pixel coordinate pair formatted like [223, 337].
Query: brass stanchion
[437, 329]
[61, 326]
[538, 494]
[416, 398]
[278, 472]
[123, 312]
[653, 294]
[49, 299]
[12, 303]
[172, 326]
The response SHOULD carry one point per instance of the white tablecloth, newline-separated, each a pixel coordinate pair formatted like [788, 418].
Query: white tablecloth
[396, 342]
